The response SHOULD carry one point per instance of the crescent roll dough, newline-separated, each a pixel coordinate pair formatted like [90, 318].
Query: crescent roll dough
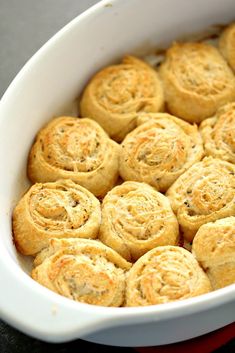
[159, 150]
[218, 133]
[214, 247]
[227, 45]
[196, 80]
[165, 274]
[116, 94]
[205, 193]
[137, 218]
[61, 209]
[76, 149]
[83, 270]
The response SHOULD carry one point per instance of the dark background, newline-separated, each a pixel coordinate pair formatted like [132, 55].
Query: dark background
[25, 25]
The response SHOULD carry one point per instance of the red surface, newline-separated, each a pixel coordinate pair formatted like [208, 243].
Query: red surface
[203, 344]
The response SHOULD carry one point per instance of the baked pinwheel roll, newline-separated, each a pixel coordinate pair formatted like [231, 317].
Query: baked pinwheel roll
[196, 80]
[204, 193]
[159, 150]
[83, 270]
[116, 95]
[218, 133]
[227, 45]
[214, 248]
[165, 274]
[60, 209]
[76, 149]
[136, 218]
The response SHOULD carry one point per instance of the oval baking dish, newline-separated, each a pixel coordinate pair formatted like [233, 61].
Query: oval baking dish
[53, 77]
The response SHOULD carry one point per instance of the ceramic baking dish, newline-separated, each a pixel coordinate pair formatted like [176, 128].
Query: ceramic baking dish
[48, 82]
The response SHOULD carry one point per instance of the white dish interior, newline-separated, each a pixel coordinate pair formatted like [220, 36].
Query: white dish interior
[44, 88]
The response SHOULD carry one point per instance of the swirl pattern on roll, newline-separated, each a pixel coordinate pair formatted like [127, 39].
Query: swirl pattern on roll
[227, 45]
[196, 80]
[135, 219]
[214, 248]
[165, 274]
[116, 94]
[76, 149]
[59, 209]
[159, 150]
[83, 270]
[218, 133]
[204, 193]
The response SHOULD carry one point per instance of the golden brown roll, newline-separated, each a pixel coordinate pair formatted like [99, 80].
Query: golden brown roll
[116, 94]
[60, 209]
[196, 80]
[204, 193]
[218, 133]
[165, 274]
[227, 45]
[214, 248]
[76, 149]
[136, 218]
[83, 270]
[159, 150]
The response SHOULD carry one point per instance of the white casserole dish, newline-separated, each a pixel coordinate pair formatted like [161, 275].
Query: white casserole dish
[51, 79]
